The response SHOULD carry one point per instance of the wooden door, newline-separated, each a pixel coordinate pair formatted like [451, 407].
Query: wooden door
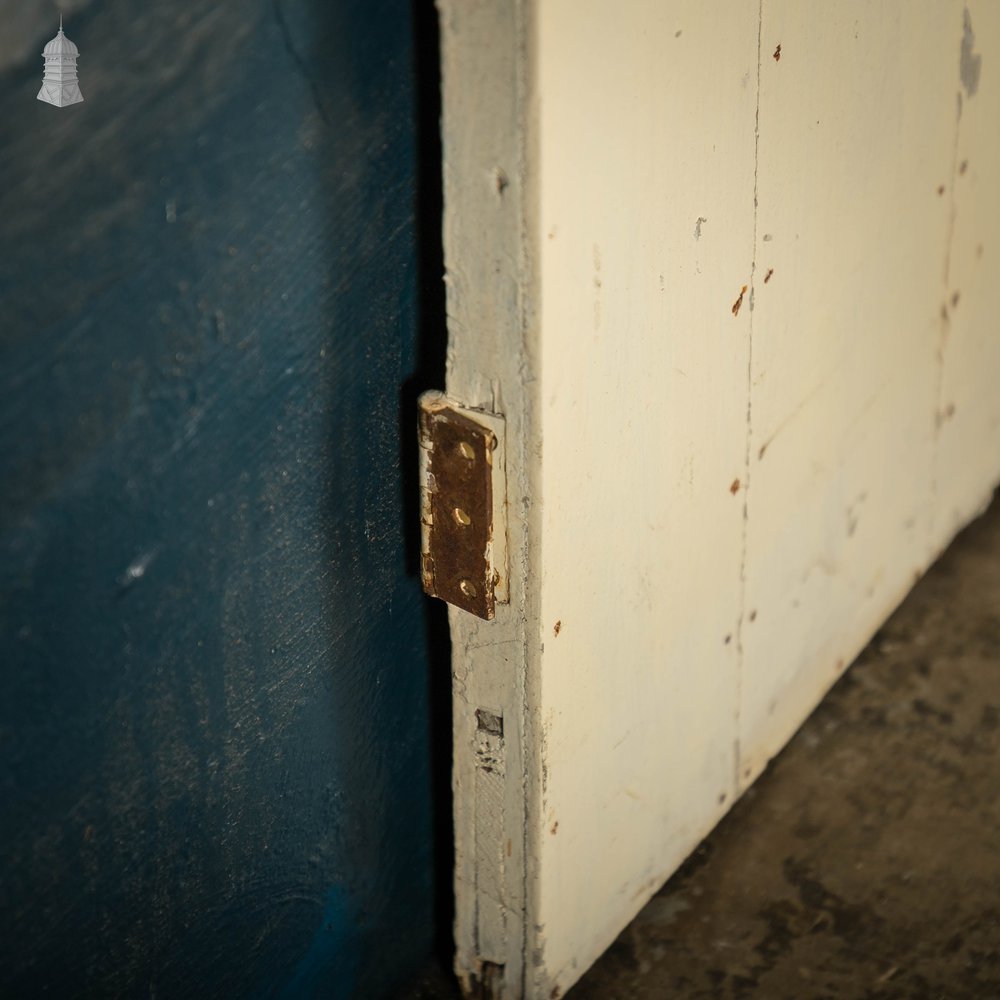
[726, 270]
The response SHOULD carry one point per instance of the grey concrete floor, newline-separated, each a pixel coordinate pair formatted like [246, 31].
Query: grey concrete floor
[865, 863]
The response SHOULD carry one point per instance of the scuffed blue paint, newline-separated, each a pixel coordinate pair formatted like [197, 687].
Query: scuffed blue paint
[329, 967]
[214, 738]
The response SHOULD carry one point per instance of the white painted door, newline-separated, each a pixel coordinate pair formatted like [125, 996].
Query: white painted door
[727, 270]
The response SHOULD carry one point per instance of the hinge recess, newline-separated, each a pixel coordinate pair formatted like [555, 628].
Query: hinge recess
[463, 500]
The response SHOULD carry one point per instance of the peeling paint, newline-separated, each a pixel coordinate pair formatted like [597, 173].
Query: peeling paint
[970, 62]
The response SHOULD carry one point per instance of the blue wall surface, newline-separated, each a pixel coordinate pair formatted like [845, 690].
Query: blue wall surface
[214, 653]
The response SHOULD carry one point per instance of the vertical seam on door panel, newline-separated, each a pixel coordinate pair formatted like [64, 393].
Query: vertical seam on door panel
[740, 659]
[945, 329]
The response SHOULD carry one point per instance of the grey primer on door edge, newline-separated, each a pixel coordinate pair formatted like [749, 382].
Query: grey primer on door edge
[491, 365]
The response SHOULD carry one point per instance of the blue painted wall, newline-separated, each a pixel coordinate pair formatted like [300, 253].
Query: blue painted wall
[214, 654]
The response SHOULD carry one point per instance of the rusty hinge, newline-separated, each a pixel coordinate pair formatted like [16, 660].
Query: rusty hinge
[463, 505]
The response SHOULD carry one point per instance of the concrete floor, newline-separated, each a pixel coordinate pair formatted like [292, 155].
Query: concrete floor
[865, 863]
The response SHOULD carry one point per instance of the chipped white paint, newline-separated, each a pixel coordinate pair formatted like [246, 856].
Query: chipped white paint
[746, 356]
[491, 361]
[643, 409]
[845, 338]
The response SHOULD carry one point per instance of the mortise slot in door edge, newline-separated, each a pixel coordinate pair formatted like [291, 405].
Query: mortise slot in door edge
[463, 500]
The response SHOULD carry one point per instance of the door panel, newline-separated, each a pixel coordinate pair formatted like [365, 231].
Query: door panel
[856, 132]
[645, 236]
